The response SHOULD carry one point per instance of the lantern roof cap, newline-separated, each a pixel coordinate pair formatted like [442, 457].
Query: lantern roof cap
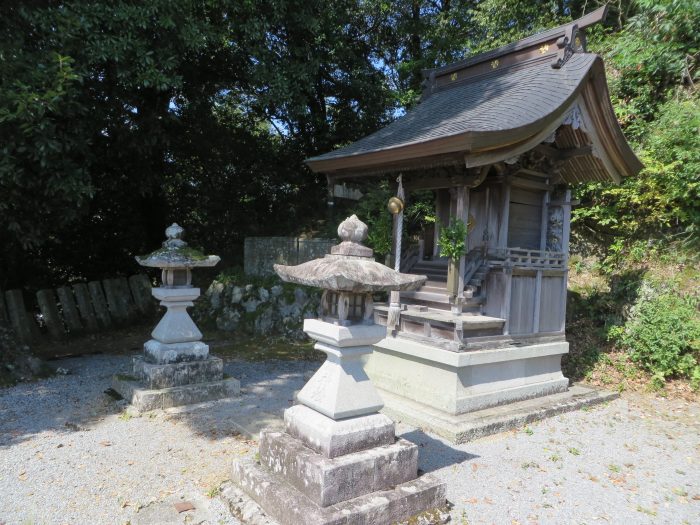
[349, 267]
[175, 253]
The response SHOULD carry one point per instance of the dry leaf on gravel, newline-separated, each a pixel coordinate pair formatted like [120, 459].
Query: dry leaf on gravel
[184, 506]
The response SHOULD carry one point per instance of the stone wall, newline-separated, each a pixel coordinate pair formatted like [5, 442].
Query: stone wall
[260, 253]
[273, 308]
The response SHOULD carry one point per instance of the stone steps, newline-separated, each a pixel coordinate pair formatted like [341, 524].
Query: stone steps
[435, 270]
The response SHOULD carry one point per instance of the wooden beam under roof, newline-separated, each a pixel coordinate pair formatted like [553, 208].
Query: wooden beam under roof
[561, 155]
[519, 182]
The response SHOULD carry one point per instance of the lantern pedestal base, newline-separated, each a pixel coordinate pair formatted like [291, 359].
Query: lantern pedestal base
[294, 485]
[145, 399]
[155, 385]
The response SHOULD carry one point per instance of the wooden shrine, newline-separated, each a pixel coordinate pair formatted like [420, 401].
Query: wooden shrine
[500, 138]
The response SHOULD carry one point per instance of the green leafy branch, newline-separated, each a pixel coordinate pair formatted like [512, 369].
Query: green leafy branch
[453, 239]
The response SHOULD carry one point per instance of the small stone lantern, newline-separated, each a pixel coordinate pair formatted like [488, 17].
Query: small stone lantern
[176, 368]
[338, 459]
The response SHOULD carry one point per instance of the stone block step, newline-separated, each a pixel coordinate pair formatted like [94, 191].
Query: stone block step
[327, 481]
[287, 506]
[468, 322]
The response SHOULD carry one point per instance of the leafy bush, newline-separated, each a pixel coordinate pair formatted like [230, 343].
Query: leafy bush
[662, 334]
[453, 239]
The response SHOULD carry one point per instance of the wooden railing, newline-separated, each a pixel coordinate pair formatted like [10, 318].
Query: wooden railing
[472, 262]
[411, 255]
[522, 258]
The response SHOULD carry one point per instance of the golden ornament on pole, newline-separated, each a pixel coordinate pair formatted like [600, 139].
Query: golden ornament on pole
[395, 205]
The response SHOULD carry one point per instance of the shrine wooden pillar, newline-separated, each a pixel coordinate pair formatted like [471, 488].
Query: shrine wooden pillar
[462, 213]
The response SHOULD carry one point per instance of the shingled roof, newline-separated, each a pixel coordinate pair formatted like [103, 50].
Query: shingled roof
[499, 104]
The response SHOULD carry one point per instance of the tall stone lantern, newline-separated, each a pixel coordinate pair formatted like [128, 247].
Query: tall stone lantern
[176, 368]
[339, 460]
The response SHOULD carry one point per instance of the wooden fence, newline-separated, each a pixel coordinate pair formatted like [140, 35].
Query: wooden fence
[78, 309]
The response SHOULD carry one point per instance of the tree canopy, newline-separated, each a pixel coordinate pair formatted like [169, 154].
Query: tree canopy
[117, 117]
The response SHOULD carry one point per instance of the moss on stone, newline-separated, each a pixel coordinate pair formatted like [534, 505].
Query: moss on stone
[184, 252]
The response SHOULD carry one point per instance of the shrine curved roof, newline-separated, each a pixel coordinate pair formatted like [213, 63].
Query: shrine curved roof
[484, 109]
[496, 106]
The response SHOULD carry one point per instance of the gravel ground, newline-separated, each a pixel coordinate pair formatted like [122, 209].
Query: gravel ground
[69, 454]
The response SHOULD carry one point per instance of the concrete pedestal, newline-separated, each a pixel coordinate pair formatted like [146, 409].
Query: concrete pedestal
[275, 497]
[145, 399]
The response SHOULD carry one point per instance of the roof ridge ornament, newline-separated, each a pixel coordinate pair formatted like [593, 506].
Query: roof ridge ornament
[573, 41]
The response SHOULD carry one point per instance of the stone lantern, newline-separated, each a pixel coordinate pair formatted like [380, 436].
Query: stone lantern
[338, 453]
[176, 368]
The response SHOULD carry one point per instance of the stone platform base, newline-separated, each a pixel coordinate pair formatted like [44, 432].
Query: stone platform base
[473, 425]
[144, 398]
[285, 505]
[458, 383]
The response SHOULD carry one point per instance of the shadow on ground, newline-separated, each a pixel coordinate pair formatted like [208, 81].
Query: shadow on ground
[267, 389]
[435, 454]
[63, 403]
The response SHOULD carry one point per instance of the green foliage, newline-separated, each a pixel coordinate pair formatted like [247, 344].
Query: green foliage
[653, 73]
[371, 209]
[117, 118]
[453, 239]
[662, 333]
[663, 201]
[499, 22]
[656, 52]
